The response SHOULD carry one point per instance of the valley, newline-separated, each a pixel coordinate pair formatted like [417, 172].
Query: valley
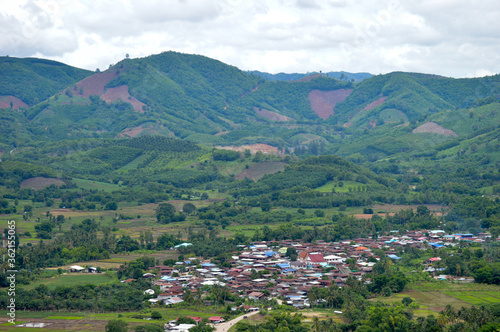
[222, 190]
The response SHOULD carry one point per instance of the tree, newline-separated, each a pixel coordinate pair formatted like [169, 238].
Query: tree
[406, 301]
[148, 328]
[156, 315]
[116, 325]
[188, 208]
[165, 213]
[111, 206]
[319, 213]
[291, 253]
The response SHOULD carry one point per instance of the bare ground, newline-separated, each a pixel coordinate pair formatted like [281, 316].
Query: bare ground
[39, 182]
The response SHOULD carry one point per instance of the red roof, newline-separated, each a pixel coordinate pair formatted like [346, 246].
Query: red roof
[197, 319]
[215, 318]
[317, 258]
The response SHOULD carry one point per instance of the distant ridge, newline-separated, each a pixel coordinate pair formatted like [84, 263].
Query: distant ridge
[340, 75]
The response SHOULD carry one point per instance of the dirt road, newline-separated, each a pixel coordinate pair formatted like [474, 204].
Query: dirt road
[224, 327]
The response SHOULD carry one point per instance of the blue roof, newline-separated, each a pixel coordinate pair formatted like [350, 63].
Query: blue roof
[290, 270]
[167, 278]
[270, 253]
[207, 264]
[437, 245]
[283, 266]
[393, 257]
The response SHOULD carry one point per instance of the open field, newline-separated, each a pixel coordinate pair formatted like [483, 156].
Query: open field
[39, 182]
[96, 185]
[433, 297]
[258, 170]
[71, 279]
[352, 185]
[89, 321]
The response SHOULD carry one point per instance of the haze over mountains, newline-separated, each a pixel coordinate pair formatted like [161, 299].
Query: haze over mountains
[206, 101]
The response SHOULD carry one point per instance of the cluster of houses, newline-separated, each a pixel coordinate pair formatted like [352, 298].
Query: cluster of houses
[260, 271]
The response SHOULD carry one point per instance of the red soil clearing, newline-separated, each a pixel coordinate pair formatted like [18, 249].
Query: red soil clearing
[308, 78]
[95, 85]
[432, 127]
[38, 183]
[271, 115]
[133, 132]
[368, 107]
[16, 102]
[264, 148]
[376, 103]
[121, 92]
[323, 102]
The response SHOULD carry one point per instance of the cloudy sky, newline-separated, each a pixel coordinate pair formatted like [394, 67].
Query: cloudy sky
[457, 38]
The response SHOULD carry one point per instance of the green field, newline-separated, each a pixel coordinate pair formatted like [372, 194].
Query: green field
[72, 279]
[327, 188]
[95, 185]
[65, 317]
[432, 297]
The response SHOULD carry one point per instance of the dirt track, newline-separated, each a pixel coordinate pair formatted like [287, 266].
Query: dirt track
[227, 325]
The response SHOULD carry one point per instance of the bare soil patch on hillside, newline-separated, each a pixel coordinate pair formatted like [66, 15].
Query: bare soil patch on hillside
[323, 102]
[271, 115]
[39, 182]
[257, 171]
[121, 92]
[432, 127]
[16, 102]
[222, 133]
[374, 104]
[264, 148]
[94, 84]
[368, 107]
[396, 207]
[308, 78]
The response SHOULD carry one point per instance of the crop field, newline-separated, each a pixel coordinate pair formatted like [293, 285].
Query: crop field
[96, 185]
[433, 297]
[352, 185]
[71, 279]
[258, 170]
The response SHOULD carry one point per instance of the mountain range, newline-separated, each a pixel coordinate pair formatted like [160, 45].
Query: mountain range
[362, 117]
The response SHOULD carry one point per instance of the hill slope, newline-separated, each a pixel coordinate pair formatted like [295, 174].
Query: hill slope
[33, 80]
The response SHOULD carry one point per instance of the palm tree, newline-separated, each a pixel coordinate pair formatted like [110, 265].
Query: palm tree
[316, 323]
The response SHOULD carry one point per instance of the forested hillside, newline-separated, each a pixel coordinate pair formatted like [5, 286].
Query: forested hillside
[159, 165]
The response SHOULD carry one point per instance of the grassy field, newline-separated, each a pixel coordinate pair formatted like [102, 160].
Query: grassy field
[258, 170]
[71, 279]
[432, 297]
[352, 185]
[96, 185]
[90, 321]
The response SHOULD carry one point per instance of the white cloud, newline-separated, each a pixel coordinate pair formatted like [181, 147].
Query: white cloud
[449, 37]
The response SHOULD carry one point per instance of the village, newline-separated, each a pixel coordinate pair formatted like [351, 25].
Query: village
[287, 270]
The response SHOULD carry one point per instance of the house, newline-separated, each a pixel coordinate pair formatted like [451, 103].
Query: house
[196, 319]
[75, 268]
[172, 300]
[432, 260]
[216, 319]
[256, 295]
[181, 327]
[248, 308]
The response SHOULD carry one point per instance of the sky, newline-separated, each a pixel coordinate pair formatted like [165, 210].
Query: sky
[455, 38]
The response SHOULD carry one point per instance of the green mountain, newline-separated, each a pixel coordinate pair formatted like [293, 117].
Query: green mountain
[340, 75]
[397, 115]
[34, 80]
